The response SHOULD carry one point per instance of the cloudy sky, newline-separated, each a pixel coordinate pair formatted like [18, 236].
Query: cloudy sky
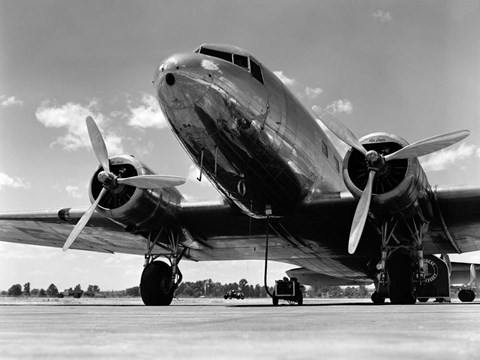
[409, 68]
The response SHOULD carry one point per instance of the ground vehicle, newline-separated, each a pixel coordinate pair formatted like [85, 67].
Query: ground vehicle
[77, 294]
[234, 294]
[289, 290]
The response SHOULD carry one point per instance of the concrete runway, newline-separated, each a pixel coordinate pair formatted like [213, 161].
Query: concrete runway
[206, 329]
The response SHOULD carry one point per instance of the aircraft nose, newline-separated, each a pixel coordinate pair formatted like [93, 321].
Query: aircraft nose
[182, 80]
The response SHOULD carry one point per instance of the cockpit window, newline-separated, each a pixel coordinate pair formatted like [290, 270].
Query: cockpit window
[256, 71]
[243, 61]
[240, 60]
[215, 53]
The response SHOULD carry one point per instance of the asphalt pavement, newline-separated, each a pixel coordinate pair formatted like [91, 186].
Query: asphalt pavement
[236, 329]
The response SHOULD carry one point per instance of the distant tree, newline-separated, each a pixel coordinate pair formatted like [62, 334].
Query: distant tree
[242, 284]
[92, 290]
[312, 291]
[133, 291]
[15, 290]
[52, 291]
[363, 291]
[4, 293]
[26, 289]
[78, 288]
[34, 292]
[257, 291]
[351, 292]
[43, 293]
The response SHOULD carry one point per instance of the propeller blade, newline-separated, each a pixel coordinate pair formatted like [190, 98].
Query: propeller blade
[83, 221]
[338, 128]
[473, 275]
[429, 145]
[152, 181]
[361, 214]
[98, 144]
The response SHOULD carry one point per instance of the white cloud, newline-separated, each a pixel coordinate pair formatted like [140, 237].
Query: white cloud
[382, 16]
[13, 182]
[71, 116]
[7, 101]
[312, 93]
[141, 146]
[147, 114]
[283, 78]
[440, 160]
[341, 105]
[73, 191]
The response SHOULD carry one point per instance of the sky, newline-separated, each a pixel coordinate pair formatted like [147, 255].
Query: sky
[404, 67]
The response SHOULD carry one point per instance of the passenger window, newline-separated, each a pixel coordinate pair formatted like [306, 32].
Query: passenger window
[324, 149]
[240, 60]
[218, 54]
[256, 71]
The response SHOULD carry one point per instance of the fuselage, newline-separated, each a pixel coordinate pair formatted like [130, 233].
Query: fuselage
[245, 130]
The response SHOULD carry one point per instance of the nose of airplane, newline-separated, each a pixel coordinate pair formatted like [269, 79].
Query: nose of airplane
[182, 80]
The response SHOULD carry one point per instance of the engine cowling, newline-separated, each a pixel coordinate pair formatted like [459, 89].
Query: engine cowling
[399, 188]
[136, 208]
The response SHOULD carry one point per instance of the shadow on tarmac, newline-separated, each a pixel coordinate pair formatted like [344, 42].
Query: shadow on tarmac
[186, 303]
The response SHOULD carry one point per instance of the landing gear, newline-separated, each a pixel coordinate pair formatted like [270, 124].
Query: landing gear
[400, 283]
[160, 280]
[156, 287]
[466, 295]
[377, 298]
[402, 265]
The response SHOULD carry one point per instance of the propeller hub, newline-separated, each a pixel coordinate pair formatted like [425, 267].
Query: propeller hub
[108, 179]
[375, 161]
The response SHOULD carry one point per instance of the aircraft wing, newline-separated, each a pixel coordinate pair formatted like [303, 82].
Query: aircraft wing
[315, 236]
[459, 223]
[52, 227]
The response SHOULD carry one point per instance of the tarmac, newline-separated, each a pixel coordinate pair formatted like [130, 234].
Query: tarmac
[236, 329]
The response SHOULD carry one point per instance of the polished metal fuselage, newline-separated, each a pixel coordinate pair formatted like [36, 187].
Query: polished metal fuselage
[256, 142]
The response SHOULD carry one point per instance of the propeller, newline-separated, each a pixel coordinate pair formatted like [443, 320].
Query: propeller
[377, 161]
[111, 181]
[473, 276]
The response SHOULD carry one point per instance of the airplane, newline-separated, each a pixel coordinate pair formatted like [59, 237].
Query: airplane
[288, 196]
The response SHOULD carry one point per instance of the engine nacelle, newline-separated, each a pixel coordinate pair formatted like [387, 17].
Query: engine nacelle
[139, 209]
[399, 188]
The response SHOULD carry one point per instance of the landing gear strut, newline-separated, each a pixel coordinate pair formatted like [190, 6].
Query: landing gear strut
[160, 280]
[399, 274]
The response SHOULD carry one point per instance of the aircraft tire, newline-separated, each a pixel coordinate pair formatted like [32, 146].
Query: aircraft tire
[275, 301]
[401, 290]
[156, 284]
[466, 295]
[377, 299]
[423, 300]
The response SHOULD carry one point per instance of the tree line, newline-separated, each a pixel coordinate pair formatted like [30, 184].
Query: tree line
[51, 291]
[200, 288]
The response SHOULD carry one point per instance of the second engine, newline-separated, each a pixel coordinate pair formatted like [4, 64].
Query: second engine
[400, 186]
